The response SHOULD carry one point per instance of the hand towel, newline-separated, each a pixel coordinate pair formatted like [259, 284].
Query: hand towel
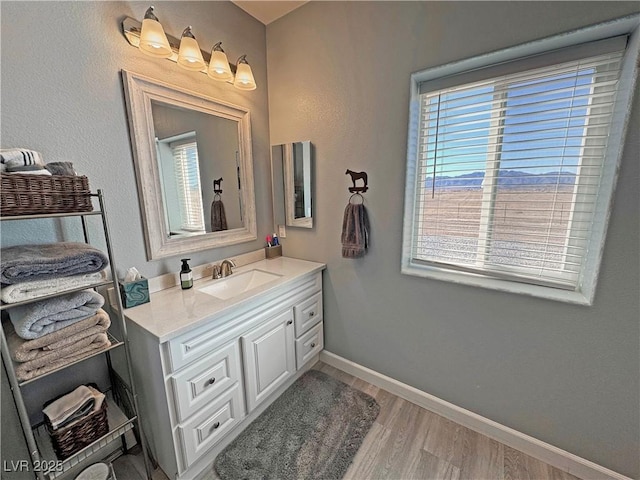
[355, 231]
[38, 262]
[59, 343]
[74, 406]
[60, 168]
[218, 216]
[39, 288]
[36, 319]
[12, 157]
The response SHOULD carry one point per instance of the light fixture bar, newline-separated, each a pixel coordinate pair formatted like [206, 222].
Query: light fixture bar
[131, 29]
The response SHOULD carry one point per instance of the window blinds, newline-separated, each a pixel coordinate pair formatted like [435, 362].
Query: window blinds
[509, 166]
[187, 174]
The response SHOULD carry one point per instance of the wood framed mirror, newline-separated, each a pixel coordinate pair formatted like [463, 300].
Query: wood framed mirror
[182, 142]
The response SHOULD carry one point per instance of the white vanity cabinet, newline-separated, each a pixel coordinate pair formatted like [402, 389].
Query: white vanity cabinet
[199, 387]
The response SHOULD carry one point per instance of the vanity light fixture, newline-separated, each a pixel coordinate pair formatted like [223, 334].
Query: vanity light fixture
[153, 40]
[244, 76]
[218, 64]
[189, 55]
[149, 36]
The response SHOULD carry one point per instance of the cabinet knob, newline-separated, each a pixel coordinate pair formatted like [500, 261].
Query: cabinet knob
[211, 381]
[216, 425]
[312, 313]
[313, 345]
[289, 322]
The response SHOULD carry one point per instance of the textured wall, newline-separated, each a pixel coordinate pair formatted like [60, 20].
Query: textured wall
[565, 374]
[62, 94]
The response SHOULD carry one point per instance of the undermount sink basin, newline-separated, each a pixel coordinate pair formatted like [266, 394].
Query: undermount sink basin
[238, 283]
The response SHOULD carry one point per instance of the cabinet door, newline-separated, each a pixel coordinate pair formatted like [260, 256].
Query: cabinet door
[269, 357]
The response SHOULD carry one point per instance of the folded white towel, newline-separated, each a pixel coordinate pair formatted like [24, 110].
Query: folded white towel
[69, 406]
[14, 157]
[43, 171]
[39, 288]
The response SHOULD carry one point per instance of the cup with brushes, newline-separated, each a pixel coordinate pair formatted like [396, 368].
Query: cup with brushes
[273, 248]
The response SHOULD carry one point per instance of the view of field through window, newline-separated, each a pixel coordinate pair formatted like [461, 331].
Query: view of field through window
[501, 166]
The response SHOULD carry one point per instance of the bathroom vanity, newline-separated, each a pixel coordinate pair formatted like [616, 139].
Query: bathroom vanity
[209, 360]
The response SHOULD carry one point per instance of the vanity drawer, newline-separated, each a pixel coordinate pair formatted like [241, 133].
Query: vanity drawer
[208, 427]
[307, 313]
[310, 344]
[198, 384]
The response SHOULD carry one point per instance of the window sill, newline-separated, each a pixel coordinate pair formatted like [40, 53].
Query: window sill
[475, 280]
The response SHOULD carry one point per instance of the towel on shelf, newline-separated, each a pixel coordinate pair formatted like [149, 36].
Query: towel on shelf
[60, 168]
[36, 319]
[19, 292]
[73, 406]
[57, 344]
[355, 231]
[38, 262]
[218, 216]
[14, 157]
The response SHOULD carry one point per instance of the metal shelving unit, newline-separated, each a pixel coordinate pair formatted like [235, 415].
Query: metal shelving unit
[38, 440]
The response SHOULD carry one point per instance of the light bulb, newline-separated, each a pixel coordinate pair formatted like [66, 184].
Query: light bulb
[244, 76]
[219, 64]
[189, 55]
[153, 41]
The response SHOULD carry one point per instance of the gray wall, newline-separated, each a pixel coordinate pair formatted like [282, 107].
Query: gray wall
[565, 374]
[62, 94]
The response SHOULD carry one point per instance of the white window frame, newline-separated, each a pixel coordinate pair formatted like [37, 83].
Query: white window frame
[585, 292]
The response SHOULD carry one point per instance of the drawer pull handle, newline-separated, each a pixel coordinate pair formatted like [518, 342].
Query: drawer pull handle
[211, 381]
[312, 314]
[289, 322]
[216, 425]
[313, 345]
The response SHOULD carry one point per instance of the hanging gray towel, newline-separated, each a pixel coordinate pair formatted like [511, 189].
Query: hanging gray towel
[355, 231]
[218, 217]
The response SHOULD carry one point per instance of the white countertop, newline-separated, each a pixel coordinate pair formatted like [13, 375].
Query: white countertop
[174, 311]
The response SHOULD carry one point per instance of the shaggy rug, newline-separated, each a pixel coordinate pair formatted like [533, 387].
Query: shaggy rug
[312, 431]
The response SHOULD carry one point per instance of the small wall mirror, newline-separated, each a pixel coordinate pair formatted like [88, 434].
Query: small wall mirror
[292, 181]
[194, 168]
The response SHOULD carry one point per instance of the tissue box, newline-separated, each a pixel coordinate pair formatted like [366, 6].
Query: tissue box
[134, 293]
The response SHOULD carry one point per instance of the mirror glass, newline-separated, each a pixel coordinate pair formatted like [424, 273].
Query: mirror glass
[292, 180]
[193, 166]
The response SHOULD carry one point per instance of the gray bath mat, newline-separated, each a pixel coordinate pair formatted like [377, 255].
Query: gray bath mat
[312, 431]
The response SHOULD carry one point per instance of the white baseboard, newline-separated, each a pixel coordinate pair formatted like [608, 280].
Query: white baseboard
[533, 447]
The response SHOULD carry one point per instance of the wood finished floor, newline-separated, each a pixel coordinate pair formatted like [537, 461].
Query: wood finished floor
[408, 442]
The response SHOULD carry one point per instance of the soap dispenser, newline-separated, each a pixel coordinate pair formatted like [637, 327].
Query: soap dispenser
[186, 277]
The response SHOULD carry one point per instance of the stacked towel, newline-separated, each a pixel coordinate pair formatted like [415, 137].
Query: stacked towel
[62, 347]
[23, 161]
[355, 231]
[39, 262]
[22, 291]
[60, 168]
[41, 318]
[73, 406]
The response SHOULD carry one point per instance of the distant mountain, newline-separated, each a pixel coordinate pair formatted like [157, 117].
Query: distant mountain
[506, 178]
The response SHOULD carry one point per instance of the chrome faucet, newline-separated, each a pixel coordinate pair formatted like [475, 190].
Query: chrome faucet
[225, 267]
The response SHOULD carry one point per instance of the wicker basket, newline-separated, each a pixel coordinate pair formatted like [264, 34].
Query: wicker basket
[69, 440]
[35, 194]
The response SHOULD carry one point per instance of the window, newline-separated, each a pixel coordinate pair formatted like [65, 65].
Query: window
[187, 175]
[510, 169]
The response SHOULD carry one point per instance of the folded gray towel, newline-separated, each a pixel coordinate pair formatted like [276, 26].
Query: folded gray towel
[37, 262]
[40, 318]
[60, 168]
[24, 168]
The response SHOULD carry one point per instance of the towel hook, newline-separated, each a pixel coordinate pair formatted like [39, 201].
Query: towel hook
[358, 176]
[359, 195]
[217, 189]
